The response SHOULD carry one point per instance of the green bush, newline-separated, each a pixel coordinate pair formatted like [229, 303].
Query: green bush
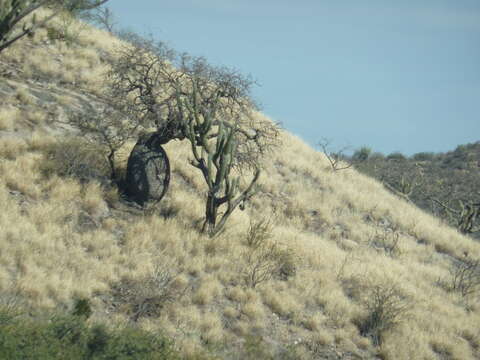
[424, 156]
[82, 307]
[362, 154]
[397, 156]
[70, 337]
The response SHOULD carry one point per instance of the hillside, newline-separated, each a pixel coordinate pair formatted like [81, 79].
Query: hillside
[439, 183]
[320, 264]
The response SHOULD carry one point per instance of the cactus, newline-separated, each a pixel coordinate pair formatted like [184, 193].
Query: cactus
[213, 147]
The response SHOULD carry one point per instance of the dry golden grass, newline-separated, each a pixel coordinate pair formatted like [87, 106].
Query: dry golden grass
[9, 116]
[60, 238]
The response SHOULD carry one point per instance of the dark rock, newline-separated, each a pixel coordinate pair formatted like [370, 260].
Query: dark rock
[148, 169]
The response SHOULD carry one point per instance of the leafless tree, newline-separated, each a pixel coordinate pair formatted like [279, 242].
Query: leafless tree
[465, 215]
[103, 17]
[465, 276]
[108, 126]
[336, 159]
[185, 97]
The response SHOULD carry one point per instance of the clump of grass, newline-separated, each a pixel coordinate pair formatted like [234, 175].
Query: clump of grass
[9, 117]
[24, 97]
[11, 148]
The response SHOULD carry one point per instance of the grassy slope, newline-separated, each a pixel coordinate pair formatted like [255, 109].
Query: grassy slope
[333, 223]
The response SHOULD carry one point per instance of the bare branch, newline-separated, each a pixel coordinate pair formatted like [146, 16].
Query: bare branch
[336, 159]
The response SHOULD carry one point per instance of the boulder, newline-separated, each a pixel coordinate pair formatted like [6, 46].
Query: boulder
[148, 170]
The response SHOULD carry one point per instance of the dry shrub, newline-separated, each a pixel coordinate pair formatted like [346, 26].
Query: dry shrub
[76, 158]
[259, 232]
[465, 276]
[146, 297]
[386, 306]
[267, 261]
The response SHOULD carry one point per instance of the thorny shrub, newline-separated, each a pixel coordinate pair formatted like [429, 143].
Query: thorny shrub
[386, 307]
[465, 276]
[75, 158]
[147, 296]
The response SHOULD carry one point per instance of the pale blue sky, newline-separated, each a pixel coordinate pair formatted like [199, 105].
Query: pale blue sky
[393, 75]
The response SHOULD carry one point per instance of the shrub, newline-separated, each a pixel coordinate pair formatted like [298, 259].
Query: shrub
[269, 260]
[386, 307]
[424, 156]
[259, 232]
[396, 156]
[82, 308]
[337, 159]
[146, 297]
[362, 154]
[76, 158]
[69, 337]
[108, 127]
[465, 276]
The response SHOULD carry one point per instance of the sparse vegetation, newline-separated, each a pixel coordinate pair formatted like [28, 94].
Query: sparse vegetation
[259, 232]
[62, 337]
[13, 12]
[446, 185]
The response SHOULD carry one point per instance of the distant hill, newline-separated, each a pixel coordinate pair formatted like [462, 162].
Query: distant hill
[443, 184]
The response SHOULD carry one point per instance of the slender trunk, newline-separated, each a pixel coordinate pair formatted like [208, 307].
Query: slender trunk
[111, 162]
[210, 215]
